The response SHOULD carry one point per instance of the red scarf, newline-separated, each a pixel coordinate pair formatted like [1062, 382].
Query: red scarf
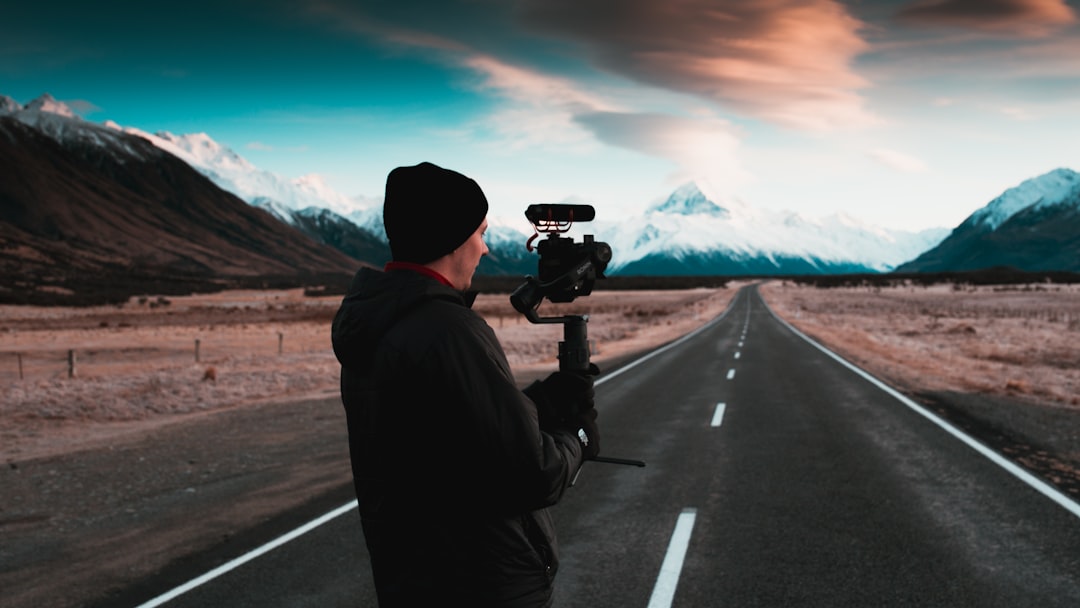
[424, 270]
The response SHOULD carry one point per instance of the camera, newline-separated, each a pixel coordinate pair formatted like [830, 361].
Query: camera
[566, 270]
[569, 269]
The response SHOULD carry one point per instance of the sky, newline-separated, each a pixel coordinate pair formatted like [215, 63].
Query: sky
[906, 114]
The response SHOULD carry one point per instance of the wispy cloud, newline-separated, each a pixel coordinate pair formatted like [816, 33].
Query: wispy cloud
[784, 61]
[541, 108]
[552, 110]
[1024, 18]
[555, 110]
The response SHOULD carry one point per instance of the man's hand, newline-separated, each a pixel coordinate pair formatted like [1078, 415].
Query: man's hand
[564, 401]
[561, 395]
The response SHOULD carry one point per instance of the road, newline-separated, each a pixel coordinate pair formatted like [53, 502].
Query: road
[777, 476]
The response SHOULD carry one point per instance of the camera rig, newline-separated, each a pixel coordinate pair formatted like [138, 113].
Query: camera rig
[565, 271]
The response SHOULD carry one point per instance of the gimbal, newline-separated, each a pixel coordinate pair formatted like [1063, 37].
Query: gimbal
[566, 270]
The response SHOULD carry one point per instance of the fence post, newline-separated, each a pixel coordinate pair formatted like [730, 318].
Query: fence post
[197, 350]
[280, 342]
[71, 363]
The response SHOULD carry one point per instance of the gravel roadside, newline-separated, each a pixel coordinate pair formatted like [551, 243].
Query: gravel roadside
[79, 526]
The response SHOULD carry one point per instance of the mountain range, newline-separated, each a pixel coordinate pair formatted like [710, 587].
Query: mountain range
[91, 209]
[1030, 227]
[87, 204]
[686, 234]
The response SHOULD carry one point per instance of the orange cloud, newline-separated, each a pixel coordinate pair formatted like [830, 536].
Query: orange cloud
[1025, 18]
[786, 61]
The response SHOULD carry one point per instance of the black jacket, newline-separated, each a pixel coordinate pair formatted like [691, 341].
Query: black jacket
[451, 470]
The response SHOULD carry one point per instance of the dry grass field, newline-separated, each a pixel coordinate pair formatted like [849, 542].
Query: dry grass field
[158, 359]
[1020, 341]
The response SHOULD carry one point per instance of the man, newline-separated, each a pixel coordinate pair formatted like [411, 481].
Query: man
[453, 465]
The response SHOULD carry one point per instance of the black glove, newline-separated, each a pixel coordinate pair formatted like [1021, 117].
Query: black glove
[561, 396]
[564, 401]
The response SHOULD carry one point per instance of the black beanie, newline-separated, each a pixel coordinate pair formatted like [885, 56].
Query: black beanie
[429, 212]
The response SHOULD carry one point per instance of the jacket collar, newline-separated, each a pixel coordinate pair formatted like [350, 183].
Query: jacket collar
[468, 297]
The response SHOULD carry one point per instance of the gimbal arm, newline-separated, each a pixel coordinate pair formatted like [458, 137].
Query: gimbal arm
[573, 350]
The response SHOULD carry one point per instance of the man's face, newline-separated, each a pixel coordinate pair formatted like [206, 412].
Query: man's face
[467, 257]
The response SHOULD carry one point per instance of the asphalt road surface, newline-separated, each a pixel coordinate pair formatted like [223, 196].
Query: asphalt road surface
[776, 476]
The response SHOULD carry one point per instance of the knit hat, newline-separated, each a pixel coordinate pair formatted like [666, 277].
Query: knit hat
[429, 212]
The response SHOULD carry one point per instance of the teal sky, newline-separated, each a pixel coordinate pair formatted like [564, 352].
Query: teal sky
[906, 113]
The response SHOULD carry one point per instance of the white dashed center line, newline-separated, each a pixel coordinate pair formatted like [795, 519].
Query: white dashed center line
[664, 591]
[718, 415]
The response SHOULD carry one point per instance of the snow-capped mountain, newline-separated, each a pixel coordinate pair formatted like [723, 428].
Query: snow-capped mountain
[91, 214]
[58, 121]
[688, 200]
[687, 234]
[269, 190]
[1033, 226]
[1054, 188]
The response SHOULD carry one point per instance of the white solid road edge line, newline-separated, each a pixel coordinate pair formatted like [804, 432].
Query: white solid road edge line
[247, 557]
[664, 590]
[1041, 486]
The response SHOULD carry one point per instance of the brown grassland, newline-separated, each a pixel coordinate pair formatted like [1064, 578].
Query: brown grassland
[1017, 340]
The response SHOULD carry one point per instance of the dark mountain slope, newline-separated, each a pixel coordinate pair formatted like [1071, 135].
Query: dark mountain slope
[79, 213]
[1039, 233]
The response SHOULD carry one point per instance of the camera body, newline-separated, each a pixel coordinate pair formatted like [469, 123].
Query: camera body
[566, 268]
[581, 264]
